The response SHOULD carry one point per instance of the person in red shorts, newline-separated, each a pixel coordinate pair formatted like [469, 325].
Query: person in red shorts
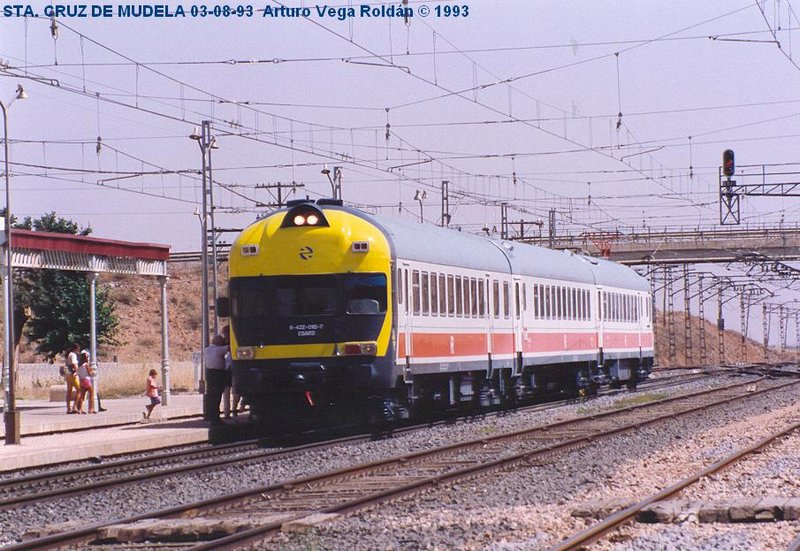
[152, 393]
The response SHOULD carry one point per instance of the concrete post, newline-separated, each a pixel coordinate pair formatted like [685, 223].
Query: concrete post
[93, 335]
[164, 342]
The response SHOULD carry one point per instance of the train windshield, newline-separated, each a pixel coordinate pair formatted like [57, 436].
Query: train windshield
[307, 309]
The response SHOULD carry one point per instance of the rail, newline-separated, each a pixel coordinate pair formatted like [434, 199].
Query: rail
[365, 485]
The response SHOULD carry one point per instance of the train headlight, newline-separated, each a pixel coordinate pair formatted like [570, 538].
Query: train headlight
[244, 353]
[305, 214]
[358, 349]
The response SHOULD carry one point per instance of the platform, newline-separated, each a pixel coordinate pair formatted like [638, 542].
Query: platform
[50, 436]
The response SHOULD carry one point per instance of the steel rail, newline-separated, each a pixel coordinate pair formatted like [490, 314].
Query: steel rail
[86, 477]
[257, 534]
[88, 533]
[616, 520]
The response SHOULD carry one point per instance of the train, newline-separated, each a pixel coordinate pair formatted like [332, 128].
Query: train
[336, 312]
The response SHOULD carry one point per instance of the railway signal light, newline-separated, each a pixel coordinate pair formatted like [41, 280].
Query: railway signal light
[728, 165]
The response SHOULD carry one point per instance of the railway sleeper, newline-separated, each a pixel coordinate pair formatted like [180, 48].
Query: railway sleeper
[742, 510]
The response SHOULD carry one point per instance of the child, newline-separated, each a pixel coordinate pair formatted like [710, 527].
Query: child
[152, 393]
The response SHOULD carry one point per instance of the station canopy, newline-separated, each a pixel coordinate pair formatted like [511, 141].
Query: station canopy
[62, 251]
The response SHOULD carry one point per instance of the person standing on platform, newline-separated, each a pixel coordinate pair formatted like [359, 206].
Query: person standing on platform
[93, 380]
[69, 373]
[217, 375]
[85, 372]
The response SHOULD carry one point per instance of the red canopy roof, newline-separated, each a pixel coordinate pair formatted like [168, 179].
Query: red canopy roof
[46, 241]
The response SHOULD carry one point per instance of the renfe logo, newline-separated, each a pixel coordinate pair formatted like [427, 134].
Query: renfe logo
[306, 253]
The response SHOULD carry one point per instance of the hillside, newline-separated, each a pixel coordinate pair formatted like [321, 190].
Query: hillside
[139, 310]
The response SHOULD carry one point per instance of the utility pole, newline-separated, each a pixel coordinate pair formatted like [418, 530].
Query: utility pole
[702, 314]
[445, 223]
[280, 186]
[765, 313]
[503, 220]
[687, 321]
[551, 227]
[720, 327]
[670, 312]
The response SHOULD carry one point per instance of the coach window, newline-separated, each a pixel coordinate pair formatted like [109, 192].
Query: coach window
[481, 298]
[459, 298]
[535, 301]
[405, 289]
[567, 303]
[570, 303]
[545, 302]
[399, 284]
[516, 300]
[442, 295]
[434, 294]
[415, 290]
[506, 301]
[575, 306]
[559, 304]
[473, 291]
[496, 298]
[574, 303]
[467, 297]
[525, 297]
[425, 297]
[587, 298]
[546, 296]
[451, 296]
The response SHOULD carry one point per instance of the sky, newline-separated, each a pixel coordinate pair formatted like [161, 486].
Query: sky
[613, 113]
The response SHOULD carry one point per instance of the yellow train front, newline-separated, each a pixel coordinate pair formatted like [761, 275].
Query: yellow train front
[311, 315]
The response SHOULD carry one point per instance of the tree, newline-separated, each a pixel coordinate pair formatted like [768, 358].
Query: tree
[52, 306]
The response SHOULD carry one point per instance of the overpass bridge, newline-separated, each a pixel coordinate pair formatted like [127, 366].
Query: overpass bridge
[694, 246]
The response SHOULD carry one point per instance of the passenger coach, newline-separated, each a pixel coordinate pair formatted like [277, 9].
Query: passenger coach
[334, 310]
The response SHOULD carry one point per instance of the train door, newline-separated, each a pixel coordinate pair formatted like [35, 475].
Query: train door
[489, 318]
[516, 322]
[406, 327]
[600, 313]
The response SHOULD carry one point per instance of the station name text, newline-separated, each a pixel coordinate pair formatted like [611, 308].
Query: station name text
[319, 11]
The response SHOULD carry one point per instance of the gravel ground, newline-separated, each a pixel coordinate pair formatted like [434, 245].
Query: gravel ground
[521, 510]
[775, 472]
[529, 508]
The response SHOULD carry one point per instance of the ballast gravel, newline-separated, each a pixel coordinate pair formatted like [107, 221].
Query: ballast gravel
[524, 508]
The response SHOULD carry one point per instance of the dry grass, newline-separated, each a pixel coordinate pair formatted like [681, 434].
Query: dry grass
[115, 380]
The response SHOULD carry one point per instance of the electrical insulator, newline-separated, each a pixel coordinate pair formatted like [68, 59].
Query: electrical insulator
[728, 165]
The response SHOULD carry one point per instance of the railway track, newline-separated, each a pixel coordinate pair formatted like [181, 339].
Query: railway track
[629, 514]
[27, 490]
[252, 515]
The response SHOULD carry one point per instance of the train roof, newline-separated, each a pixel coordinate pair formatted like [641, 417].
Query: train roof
[438, 245]
[444, 246]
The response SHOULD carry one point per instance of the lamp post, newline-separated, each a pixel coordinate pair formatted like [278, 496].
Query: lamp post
[336, 181]
[419, 196]
[11, 414]
[204, 139]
